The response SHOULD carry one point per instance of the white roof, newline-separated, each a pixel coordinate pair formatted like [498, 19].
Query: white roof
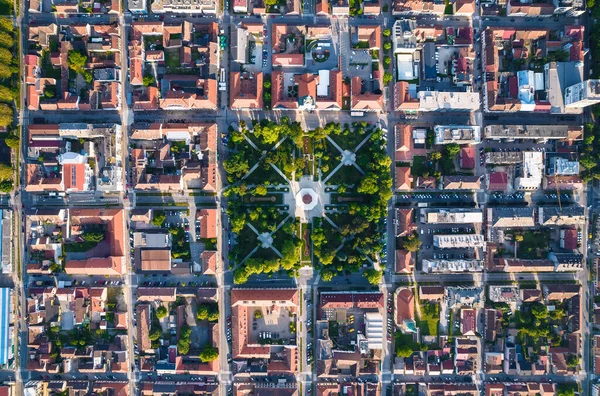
[404, 64]
[323, 85]
[178, 135]
[71, 158]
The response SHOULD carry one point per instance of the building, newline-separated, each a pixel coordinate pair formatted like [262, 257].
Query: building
[533, 171]
[450, 266]
[445, 134]
[561, 216]
[536, 132]
[208, 222]
[497, 181]
[454, 216]
[505, 217]
[405, 261]
[468, 321]
[405, 310]
[374, 330]
[559, 166]
[189, 7]
[278, 303]
[431, 293]
[448, 101]
[404, 178]
[457, 241]
[246, 90]
[583, 94]
[461, 182]
[6, 319]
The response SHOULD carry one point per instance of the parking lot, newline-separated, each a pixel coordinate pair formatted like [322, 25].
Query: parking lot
[464, 197]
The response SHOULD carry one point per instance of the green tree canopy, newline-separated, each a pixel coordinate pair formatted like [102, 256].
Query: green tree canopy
[327, 274]
[155, 334]
[236, 165]
[387, 78]
[373, 276]
[12, 141]
[452, 149]
[403, 351]
[148, 80]
[6, 115]
[208, 353]
[411, 242]
[77, 60]
[161, 312]
[159, 218]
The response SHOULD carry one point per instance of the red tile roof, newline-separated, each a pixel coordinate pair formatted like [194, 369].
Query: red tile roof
[467, 157]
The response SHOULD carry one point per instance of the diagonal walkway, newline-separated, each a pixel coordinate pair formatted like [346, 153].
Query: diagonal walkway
[281, 174]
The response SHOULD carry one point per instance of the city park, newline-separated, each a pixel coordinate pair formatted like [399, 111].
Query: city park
[307, 198]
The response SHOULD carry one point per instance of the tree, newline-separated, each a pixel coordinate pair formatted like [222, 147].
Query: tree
[260, 190]
[519, 238]
[387, 46]
[159, 218]
[387, 60]
[435, 156]
[208, 312]
[386, 32]
[155, 335]
[183, 346]
[587, 161]
[6, 40]
[148, 80]
[327, 274]
[369, 184]
[373, 276]
[12, 141]
[387, 78]
[539, 311]
[6, 56]
[404, 351]
[202, 312]
[411, 242]
[7, 94]
[77, 60]
[591, 3]
[237, 222]
[452, 149]
[236, 165]
[161, 312]
[208, 353]
[258, 314]
[267, 84]
[6, 115]
[566, 390]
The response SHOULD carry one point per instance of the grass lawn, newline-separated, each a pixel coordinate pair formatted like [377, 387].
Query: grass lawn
[447, 165]
[79, 247]
[406, 339]
[262, 174]
[429, 320]
[172, 59]
[347, 175]
[247, 240]
[419, 166]
[534, 245]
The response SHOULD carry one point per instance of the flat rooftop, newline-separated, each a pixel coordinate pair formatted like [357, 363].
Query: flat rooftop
[527, 131]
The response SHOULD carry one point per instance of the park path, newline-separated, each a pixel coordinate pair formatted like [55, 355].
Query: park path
[342, 153]
[281, 174]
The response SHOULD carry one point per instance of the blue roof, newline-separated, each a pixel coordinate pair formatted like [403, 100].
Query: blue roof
[4, 328]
